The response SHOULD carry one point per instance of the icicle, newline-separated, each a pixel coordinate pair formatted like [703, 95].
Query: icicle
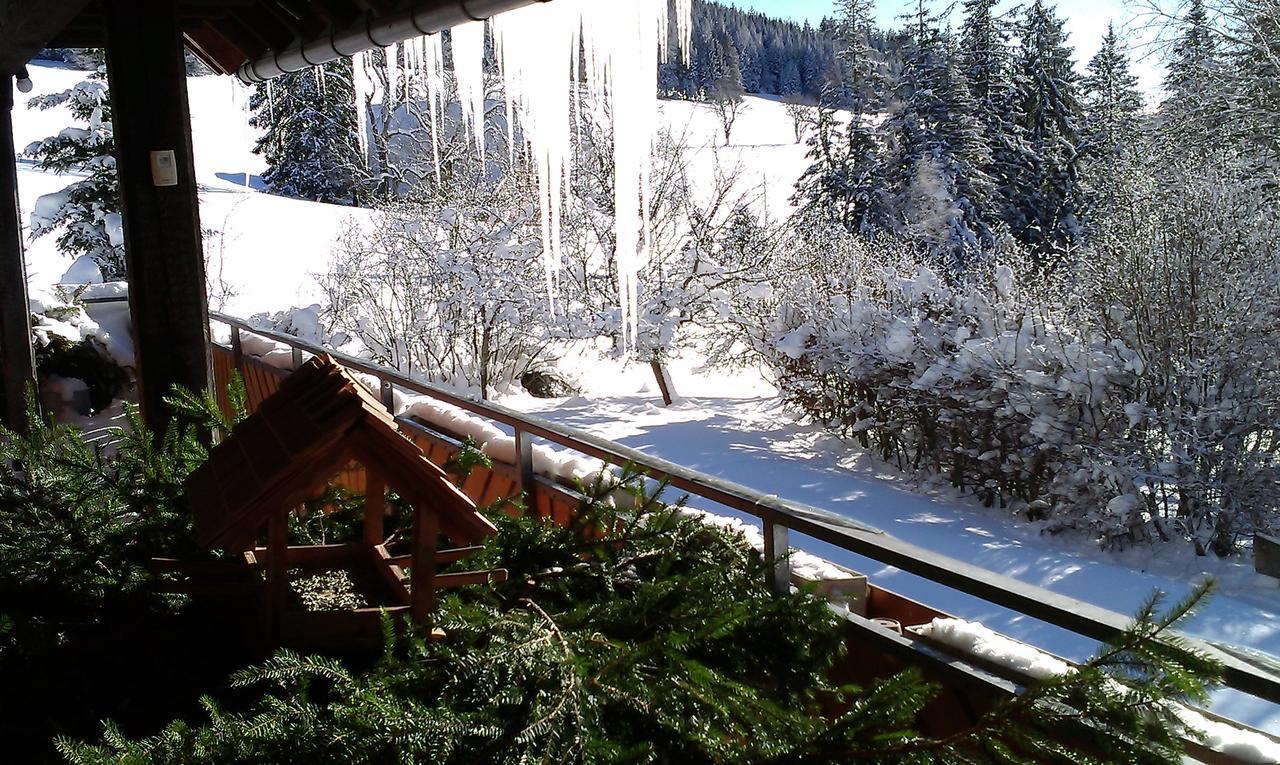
[391, 58]
[468, 69]
[534, 47]
[433, 55]
[540, 49]
[362, 87]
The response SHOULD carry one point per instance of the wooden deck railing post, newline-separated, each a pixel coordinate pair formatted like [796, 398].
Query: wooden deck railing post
[387, 392]
[776, 549]
[237, 350]
[524, 463]
[297, 357]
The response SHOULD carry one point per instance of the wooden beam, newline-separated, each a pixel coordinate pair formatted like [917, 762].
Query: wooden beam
[375, 506]
[26, 26]
[163, 247]
[277, 593]
[422, 572]
[17, 364]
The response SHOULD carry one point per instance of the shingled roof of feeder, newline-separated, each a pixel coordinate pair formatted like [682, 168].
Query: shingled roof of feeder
[314, 425]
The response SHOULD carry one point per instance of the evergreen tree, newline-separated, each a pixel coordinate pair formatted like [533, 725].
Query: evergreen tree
[309, 139]
[1112, 107]
[856, 60]
[844, 183]
[943, 195]
[89, 209]
[985, 61]
[1047, 110]
[1249, 94]
[644, 645]
[1189, 77]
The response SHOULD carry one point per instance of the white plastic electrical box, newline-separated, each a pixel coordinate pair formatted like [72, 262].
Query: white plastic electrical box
[164, 168]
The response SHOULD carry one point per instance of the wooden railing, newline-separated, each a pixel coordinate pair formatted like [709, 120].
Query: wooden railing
[781, 516]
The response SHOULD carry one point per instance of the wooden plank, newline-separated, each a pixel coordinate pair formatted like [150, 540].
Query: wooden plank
[147, 73]
[443, 557]
[375, 507]
[422, 574]
[464, 578]
[1266, 554]
[323, 557]
[277, 572]
[337, 630]
[18, 362]
[392, 573]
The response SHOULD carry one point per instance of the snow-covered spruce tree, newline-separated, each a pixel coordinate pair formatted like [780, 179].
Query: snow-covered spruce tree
[985, 60]
[1112, 122]
[1191, 77]
[943, 198]
[844, 183]
[309, 128]
[1251, 81]
[1047, 110]
[88, 210]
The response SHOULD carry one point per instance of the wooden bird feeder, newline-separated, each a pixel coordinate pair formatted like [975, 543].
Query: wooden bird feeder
[318, 423]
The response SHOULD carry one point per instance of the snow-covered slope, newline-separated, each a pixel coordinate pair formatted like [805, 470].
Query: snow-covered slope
[266, 248]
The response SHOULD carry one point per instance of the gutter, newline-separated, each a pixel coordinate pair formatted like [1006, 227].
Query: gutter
[423, 17]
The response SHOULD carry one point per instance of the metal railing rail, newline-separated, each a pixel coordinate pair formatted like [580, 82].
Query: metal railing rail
[779, 516]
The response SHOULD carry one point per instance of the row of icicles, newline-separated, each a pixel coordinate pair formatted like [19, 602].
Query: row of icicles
[617, 44]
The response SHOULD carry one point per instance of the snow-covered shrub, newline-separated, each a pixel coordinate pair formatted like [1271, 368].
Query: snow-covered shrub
[453, 292]
[87, 210]
[1021, 394]
[1189, 276]
[705, 246]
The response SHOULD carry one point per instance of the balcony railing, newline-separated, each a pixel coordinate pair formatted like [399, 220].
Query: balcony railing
[781, 516]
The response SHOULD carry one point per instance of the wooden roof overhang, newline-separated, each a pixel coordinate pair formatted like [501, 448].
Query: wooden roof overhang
[254, 39]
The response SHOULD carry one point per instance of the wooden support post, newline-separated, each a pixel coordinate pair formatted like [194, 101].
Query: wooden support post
[387, 393]
[17, 364]
[524, 467]
[297, 358]
[375, 506]
[422, 573]
[277, 573]
[237, 350]
[776, 549]
[163, 248]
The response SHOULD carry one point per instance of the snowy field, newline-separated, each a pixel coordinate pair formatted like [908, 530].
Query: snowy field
[266, 250]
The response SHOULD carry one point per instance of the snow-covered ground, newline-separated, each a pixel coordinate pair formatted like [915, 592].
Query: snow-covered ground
[727, 424]
[733, 426]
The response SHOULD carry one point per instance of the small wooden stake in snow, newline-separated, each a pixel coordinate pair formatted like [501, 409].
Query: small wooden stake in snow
[660, 374]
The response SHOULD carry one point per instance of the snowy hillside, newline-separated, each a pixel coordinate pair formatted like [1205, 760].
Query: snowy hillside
[266, 248]
[263, 251]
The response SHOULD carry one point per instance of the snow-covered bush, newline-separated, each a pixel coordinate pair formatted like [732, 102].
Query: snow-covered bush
[705, 246]
[1026, 396]
[86, 210]
[453, 292]
[1189, 276]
